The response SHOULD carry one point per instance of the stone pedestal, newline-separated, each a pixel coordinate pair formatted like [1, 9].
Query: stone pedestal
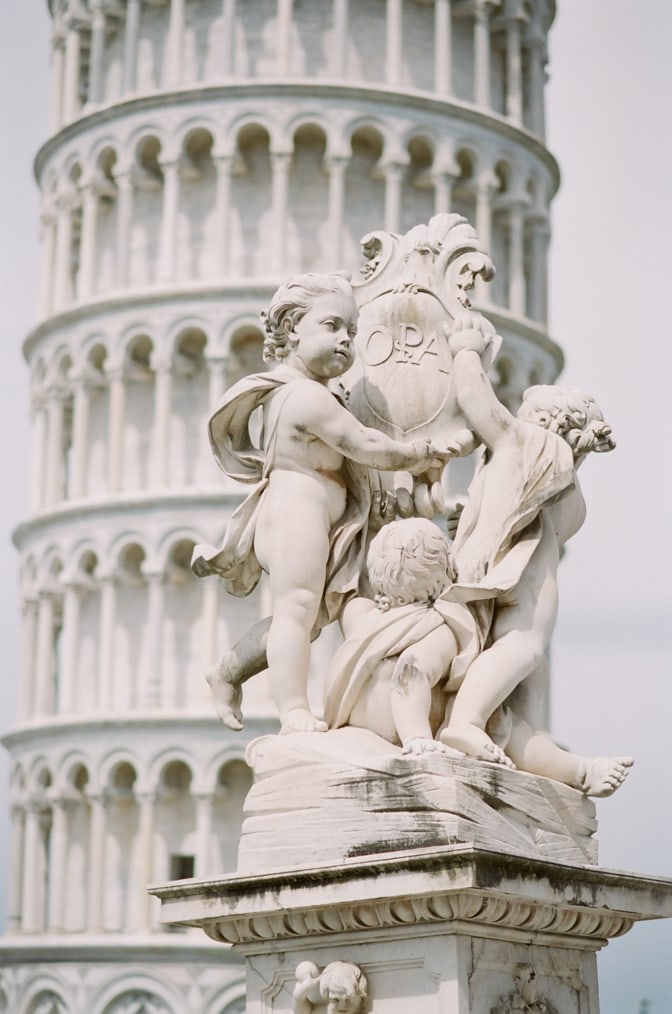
[455, 929]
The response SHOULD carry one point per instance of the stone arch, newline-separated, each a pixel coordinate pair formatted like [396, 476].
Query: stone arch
[184, 622]
[145, 230]
[230, 1000]
[308, 197]
[251, 200]
[139, 379]
[197, 239]
[127, 672]
[104, 180]
[244, 345]
[364, 186]
[138, 993]
[173, 773]
[468, 164]
[190, 396]
[418, 189]
[233, 779]
[47, 995]
[93, 359]
[119, 774]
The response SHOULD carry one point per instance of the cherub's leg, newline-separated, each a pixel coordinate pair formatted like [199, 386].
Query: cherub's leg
[293, 547]
[417, 671]
[521, 633]
[247, 658]
[537, 753]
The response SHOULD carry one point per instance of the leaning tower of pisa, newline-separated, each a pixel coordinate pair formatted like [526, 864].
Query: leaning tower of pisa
[199, 152]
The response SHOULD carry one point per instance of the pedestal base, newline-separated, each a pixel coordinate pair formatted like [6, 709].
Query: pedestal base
[455, 930]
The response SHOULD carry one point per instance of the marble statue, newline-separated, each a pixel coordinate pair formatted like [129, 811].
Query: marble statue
[341, 988]
[305, 521]
[442, 645]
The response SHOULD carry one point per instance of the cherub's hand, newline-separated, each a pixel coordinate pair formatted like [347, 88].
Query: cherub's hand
[469, 333]
[453, 520]
[429, 457]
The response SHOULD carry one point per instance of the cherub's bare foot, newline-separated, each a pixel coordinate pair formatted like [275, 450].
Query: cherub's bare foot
[600, 776]
[228, 696]
[475, 743]
[301, 720]
[421, 744]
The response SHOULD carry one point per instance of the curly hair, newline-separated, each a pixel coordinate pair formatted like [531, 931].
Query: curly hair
[409, 561]
[291, 302]
[569, 412]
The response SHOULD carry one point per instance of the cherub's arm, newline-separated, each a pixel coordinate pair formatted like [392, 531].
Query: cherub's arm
[326, 419]
[484, 412]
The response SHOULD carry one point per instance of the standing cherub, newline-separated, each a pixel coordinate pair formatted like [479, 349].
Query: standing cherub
[524, 504]
[304, 524]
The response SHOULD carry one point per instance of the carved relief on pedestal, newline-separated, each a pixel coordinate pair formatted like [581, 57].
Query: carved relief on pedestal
[523, 999]
[340, 988]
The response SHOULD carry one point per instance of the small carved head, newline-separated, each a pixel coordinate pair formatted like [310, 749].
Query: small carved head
[290, 304]
[344, 986]
[570, 413]
[409, 561]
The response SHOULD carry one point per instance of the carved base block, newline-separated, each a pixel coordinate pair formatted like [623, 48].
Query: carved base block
[453, 930]
[347, 793]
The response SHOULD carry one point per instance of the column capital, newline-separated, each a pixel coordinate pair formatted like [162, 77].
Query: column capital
[224, 161]
[152, 575]
[28, 602]
[203, 796]
[281, 159]
[515, 200]
[146, 797]
[68, 200]
[486, 183]
[97, 797]
[512, 12]
[38, 402]
[17, 810]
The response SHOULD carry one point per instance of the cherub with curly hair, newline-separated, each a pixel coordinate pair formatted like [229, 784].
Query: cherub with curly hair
[523, 506]
[305, 522]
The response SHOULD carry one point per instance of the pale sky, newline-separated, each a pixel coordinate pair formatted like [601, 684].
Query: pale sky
[608, 125]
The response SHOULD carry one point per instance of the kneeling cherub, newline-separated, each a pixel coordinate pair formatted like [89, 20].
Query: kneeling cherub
[406, 654]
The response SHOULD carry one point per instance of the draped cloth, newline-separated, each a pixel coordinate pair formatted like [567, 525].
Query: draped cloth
[237, 455]
[382, 635]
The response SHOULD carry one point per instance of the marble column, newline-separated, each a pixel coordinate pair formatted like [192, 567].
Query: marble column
[514, 71]
[394, 180]
[443, 47]
[482, 53]
[336, 167]
[48, 222]
[539, 234]
[105, 700]
[280, 166]
[339, 55]
[124, 182]
[71, 72]
[444, 180]
[284, 37]
[217, 367]
[171, 197]
[97, 53]
[15, 899]
[29, 626]
[45, 661]
[203, 832]
[174, 43]
[161, 443]
[58, 856]
[87, 250]
[150, 691]
[393, 41]
[95, 903]
[146, 802]
[117, 410]
[57, 78]
[536, 74]
[39, 453]
[55, 472]
[516, 294]
[228, 55]
[131, 36]
[31, 886]
[80, 436]
[224, 169]
[210, 617]
[486, 188]
[71, 612]
[63, 287]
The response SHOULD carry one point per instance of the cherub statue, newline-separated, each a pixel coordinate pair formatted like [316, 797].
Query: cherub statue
[524, 504]
[406, 654]
[305, 521]
[342, 987]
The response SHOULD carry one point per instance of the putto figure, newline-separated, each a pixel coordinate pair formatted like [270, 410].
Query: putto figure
[305, 521]
[341, 988]
[524, 504]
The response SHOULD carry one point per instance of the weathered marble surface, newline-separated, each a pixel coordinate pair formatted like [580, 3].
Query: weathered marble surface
[453, 930]
[311, 802]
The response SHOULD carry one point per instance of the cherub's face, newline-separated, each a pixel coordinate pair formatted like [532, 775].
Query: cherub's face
[343, 1003]
[323, 338]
